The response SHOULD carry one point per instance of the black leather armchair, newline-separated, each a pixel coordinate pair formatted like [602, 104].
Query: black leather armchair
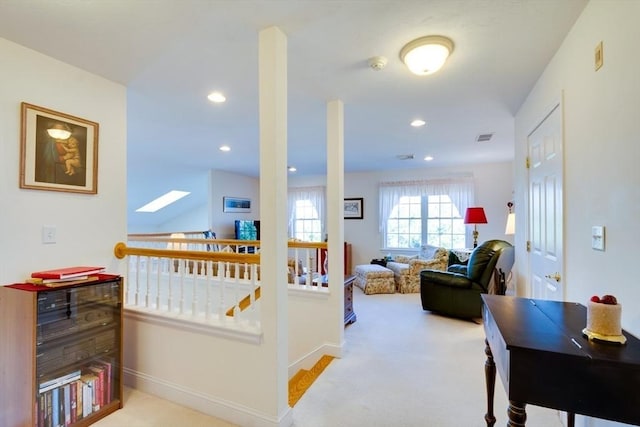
[456, 292]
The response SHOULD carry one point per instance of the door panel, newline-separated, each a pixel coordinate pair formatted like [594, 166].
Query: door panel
[545, 207]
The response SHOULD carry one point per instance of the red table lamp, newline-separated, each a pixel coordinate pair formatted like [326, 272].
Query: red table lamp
[475, 216]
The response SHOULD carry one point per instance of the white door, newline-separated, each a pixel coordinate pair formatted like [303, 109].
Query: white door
[545, 207]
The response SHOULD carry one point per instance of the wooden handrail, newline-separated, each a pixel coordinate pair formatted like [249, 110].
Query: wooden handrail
[121, 250]
[160, 237]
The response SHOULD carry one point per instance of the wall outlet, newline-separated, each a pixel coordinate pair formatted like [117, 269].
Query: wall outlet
[48, 234]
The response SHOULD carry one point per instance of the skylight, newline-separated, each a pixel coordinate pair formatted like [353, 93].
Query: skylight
[162, 201]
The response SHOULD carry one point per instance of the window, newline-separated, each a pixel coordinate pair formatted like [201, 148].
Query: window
[441, 226]
[307, 225]
[404, 226]
[424, 212]
[306, 213]
[445, 225]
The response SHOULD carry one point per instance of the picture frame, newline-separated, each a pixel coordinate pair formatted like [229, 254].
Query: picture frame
[63, 161]
[353, 208]
[236, 204]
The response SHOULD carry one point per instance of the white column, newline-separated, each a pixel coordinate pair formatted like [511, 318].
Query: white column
[335, 214]
[273, 219]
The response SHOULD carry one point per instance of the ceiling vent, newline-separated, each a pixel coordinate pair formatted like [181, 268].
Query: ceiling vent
[484, 137]
[404, 157]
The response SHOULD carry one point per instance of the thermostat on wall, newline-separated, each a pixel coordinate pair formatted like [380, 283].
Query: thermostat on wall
[597, 237]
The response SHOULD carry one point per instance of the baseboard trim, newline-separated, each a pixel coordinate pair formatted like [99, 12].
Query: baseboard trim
[220, 408]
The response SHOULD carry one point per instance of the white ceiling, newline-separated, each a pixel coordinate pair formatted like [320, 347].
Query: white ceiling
[171, 53]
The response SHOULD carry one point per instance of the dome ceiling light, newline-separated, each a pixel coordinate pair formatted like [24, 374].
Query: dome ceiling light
[426, 55]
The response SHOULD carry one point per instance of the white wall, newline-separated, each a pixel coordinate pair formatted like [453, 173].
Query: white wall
[88, 226]
[224, 184]
[493, 190]
[194, 220]
[601, 174]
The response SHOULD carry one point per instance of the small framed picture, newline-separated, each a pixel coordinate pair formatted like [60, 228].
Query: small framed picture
[236, 204]
[58, 152]
[353, 208]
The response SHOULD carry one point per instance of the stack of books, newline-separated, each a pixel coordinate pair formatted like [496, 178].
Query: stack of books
[64, 400]
[65, 276]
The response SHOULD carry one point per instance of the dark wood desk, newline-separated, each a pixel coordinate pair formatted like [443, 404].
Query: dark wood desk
[543, 359]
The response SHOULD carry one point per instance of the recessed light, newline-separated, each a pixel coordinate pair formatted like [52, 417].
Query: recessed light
[428, 158]
[216, 97]
[225, 148]
[417, 123]
[162, 201]
[291, 168]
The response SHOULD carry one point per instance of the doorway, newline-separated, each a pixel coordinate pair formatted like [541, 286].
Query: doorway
[545, 245]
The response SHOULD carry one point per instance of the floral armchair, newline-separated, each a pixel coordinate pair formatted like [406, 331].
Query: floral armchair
[406, 269]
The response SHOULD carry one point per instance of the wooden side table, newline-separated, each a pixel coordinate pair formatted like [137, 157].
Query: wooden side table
[349, 313]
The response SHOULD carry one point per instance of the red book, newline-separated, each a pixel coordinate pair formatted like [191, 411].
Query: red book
[67, 273]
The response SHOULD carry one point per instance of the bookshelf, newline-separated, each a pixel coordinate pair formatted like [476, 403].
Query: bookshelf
[61, 352]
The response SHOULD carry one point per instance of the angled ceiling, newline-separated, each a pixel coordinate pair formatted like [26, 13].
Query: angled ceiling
[170, 54]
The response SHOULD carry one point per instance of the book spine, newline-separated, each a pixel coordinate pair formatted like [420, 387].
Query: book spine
[87, 394]
[42, 409]
[55, 408]
[79, 393]
[73, 392]
[66, 389]
[48, 414]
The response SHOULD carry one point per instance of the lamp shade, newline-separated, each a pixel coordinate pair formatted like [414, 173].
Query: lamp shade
[511, 224]
[475, 216]
[177, 246]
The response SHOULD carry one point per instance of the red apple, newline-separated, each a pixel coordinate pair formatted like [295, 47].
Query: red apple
[609, 299]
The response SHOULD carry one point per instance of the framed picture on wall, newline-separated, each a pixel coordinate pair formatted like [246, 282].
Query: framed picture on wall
[236, 204]
[58, 152]
[353, 208]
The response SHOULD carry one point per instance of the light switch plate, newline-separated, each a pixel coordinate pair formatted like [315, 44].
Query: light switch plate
[48, 234]
[597, 237]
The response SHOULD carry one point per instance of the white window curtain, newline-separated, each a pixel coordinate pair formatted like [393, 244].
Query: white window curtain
[316, 195]
[459, 190]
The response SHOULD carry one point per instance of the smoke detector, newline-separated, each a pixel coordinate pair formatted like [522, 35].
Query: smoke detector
[377, 63]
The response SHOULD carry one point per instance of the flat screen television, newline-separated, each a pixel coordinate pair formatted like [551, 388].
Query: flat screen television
[247, 229]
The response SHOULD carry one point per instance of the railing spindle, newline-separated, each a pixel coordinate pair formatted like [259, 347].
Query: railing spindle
[137, 291]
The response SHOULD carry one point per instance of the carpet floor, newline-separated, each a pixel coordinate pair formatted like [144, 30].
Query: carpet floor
[402, 367]
[406, 367]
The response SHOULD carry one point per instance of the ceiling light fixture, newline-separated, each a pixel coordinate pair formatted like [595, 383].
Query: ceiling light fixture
[417, 123]
[162, 201]
[225, 148]
[216, 97]
[291, 168]
[426, 55]
[428, 158]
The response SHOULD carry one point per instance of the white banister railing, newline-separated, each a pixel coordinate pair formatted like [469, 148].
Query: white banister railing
[197, 286]
[206, 280]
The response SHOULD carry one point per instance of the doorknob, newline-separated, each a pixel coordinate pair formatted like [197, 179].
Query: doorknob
[555, 276]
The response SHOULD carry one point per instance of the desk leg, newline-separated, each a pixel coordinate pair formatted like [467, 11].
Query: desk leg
[571, 419]
[517, 414]
[490, 380]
